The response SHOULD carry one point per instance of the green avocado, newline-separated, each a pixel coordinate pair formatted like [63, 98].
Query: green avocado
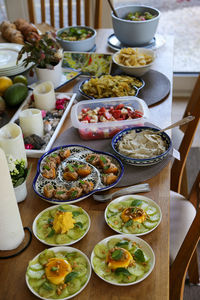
[15, 94]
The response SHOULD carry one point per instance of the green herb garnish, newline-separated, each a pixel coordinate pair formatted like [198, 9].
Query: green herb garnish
[122, 243]
[76, 213]
[136, 202]
[71, 169]
[60, 192]
[80, 166]
[81, 181]
[50, 221]
[117, 254]
[123, 271]
[46, 168]
[103, 159]
[129, 223]
[51, 233]
[139, 255]
[53, 269]
[74, 193]
[79, 224]
[54, 155]
[62, 209]
[92, 158]
[70, 276]
[106, 167]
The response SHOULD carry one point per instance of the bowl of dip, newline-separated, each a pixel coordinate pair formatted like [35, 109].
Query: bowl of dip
[141, 146]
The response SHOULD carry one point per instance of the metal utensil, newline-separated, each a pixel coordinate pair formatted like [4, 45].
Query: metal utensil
[139, 188]
[181, 122]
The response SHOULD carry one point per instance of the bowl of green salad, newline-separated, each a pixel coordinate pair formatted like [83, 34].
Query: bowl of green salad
[76, 38]
[135, 25]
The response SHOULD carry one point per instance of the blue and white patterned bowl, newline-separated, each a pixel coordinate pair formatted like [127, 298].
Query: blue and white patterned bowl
[137, 161]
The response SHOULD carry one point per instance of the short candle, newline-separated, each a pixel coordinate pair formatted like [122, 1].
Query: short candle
[31, 122]
[44, 96]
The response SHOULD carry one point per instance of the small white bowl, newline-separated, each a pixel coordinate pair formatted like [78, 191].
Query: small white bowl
[80, 45]
[136, 71]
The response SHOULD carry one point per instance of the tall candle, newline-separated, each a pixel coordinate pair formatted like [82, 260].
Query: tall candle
[31, 122]
[44, 96]
[11, 229]
[11, 141]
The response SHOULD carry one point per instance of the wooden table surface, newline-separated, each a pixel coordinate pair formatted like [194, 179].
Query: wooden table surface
[156, 286]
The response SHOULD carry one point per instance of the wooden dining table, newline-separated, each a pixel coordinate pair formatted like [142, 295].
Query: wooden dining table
[156, 285]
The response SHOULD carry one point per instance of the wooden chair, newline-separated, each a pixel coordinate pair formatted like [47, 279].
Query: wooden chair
[184, 213]
[82, 7]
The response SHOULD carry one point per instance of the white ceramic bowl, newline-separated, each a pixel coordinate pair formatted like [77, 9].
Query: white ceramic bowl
[69, 250]
[153, 207]
[135, 33]
[73, 241]
[80, 46]
[136, 71]
[144, 247]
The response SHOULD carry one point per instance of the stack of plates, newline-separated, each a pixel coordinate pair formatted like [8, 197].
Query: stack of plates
[8, 59]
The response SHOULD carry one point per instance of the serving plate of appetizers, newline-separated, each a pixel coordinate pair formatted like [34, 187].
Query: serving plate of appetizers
[70, 173]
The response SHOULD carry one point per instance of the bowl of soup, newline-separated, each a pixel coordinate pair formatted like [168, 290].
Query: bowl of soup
[135, 25]
[76, 38]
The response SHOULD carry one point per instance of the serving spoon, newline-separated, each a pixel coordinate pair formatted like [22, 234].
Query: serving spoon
[112, 8]
[181, 122]
[139, 188]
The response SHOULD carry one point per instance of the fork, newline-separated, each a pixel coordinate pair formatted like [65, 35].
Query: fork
[139, 188]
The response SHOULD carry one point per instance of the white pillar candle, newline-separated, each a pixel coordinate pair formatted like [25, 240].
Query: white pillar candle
[31, 122]
[11, 229]
[44, 96]
[11, 141]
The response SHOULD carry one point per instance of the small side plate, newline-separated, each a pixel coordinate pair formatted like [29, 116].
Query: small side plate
[157, 42]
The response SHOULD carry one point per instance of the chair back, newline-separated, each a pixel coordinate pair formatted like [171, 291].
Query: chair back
[193, 108]
[75, 12]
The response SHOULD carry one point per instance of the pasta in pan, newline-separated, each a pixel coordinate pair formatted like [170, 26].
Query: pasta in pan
[144, 144]
[111, 86]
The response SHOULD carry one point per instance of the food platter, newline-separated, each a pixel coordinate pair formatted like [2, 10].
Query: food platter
[67, 189]
[135, 87]
[89, 64]
[122, 276]
[36, 268]
[149, 211]
[43, 227]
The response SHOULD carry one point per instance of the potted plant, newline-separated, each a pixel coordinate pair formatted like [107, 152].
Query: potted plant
[45, 54]
[18, 173]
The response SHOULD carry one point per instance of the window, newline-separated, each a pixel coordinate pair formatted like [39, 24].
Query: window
[180, 18]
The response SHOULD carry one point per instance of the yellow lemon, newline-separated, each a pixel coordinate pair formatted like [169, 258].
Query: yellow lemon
[5, 82]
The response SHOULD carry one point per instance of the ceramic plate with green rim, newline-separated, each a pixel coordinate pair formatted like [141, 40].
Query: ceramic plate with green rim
[61, 225]
[122, 259]
[58, 273]
[133, 214]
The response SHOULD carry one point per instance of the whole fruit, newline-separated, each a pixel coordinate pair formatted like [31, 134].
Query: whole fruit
[20, 78]
[5, 82]
[16, 94]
